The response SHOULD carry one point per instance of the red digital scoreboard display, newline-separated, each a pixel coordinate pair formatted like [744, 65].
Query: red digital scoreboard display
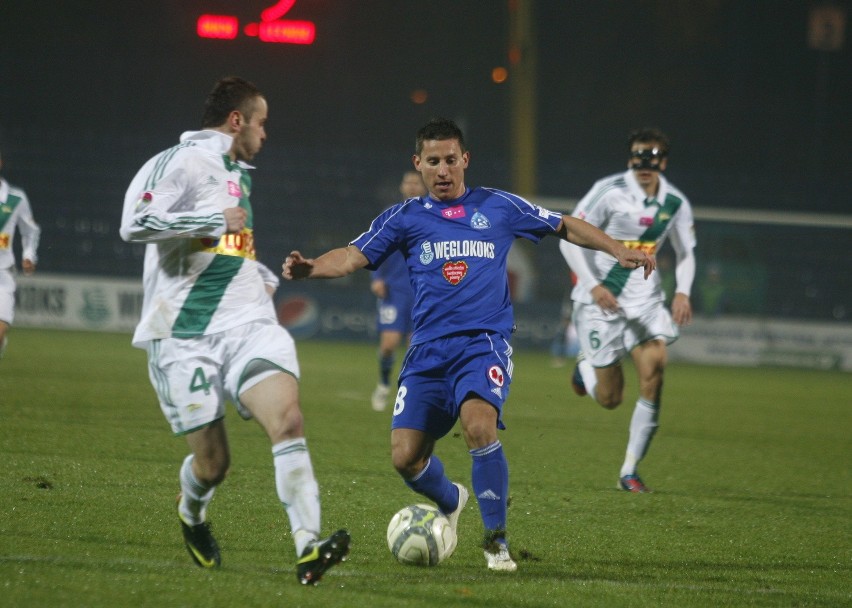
[270, 28]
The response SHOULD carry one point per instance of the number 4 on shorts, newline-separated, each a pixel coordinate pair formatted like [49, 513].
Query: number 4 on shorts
[199, 382]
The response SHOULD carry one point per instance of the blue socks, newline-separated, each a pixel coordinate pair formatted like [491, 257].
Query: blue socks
[490, 475]
[385, 366]
[433, 484]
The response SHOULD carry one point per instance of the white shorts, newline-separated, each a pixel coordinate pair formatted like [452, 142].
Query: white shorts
[606, 338]
[7, 296]
[195, 377]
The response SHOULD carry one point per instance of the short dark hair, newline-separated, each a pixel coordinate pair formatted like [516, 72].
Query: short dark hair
[649, 135]
[440, 129]
[229, 94]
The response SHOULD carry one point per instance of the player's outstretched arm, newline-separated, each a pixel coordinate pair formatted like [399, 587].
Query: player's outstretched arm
[330, 265]
[582, 233]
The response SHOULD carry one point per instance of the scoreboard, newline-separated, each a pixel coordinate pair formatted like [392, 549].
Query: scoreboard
[270, 27]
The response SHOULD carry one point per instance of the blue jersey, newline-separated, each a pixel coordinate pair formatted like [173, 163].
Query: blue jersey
[394, 310]
[394, 273]
[456, 256]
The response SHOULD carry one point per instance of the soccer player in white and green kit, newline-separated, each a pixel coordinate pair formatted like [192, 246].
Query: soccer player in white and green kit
[209, 326]
[15, 214]
[615, 312]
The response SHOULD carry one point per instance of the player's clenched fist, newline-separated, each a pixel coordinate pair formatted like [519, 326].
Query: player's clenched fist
[296, 266]
[235, 219]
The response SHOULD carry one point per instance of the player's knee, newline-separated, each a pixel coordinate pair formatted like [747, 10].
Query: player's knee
[609, 401]
[407, 466]
[288, 424]
[480, 435]
[407, 470]
[213, 472]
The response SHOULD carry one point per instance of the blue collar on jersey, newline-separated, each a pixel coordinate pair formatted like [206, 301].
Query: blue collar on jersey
[429, 199]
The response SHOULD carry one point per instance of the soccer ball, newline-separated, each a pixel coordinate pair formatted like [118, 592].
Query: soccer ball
[420, 535]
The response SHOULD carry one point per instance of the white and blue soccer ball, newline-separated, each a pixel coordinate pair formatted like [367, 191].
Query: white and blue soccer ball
[420, 535]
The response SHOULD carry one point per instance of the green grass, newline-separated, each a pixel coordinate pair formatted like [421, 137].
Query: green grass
[751, 467]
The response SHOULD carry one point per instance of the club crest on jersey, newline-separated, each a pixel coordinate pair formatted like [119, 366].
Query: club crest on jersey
[495, 374]
[454, 272]
[426, 254]
[646, 221]
[452, 213]
[479, 221]
[234, 189]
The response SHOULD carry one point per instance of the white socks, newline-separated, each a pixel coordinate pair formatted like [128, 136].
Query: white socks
[194, 496]
[590, 378]
[298, 490]
[643, 425]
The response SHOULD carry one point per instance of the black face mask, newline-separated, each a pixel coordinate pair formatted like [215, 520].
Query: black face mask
[648, 160]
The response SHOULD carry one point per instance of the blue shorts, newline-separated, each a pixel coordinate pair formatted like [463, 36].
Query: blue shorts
[437, 377]
[394, 314]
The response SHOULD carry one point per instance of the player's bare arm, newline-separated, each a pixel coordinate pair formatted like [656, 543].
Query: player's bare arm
[581, 233]
[330, 265]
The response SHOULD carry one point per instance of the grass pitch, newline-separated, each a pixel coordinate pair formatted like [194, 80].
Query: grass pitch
[751, 469]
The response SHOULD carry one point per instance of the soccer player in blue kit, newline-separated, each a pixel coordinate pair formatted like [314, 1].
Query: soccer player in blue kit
[455, 241]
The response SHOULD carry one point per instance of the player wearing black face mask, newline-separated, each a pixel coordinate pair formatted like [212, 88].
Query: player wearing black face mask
[617, 313]
[647, 158]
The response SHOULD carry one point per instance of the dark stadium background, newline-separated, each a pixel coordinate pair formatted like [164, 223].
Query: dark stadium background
[759, 119]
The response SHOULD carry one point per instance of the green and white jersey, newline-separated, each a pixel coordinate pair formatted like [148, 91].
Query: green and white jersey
[15, 212]
[197, 279]
[619, 206]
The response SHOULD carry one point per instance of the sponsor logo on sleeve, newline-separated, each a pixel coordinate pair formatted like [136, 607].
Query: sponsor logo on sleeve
[144, 199]
[546, 213]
